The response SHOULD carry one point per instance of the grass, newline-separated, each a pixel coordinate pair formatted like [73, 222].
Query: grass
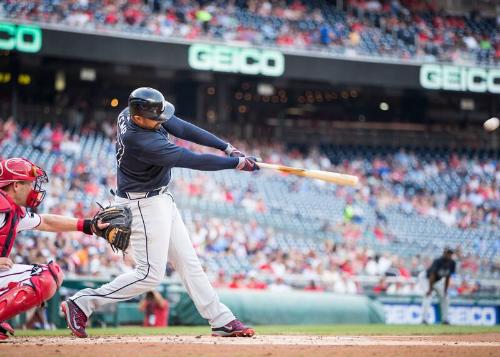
[280, 330]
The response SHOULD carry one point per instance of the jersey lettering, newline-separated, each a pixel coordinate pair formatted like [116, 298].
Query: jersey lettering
[144, 157]
[443, 272]
[122, 129]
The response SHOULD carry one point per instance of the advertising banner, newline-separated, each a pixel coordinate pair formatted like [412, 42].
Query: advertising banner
[240, 59]
[457, 314]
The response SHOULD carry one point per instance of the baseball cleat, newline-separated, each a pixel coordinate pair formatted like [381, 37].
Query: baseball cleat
[233, 329]
[6, 327]
[5, 330]
[75, 318]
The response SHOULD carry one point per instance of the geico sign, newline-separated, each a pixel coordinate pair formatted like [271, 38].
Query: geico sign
[21, 37]
[237, 60]
[473, 315]
[473, 79]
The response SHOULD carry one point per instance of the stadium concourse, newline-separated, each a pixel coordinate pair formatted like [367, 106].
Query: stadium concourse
[403, 29]
[287, 232]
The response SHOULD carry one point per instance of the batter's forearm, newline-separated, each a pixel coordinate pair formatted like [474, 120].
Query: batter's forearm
[206, 162]
[187, 131]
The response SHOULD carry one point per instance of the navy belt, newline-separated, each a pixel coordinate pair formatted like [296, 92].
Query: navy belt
[139, 195]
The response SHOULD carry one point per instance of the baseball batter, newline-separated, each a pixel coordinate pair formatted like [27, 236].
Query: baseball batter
[145, 157]
[22, 286]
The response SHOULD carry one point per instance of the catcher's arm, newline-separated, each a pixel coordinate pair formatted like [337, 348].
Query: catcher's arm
[58, 223]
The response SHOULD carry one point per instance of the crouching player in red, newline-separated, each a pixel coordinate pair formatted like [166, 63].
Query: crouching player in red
[23, 287]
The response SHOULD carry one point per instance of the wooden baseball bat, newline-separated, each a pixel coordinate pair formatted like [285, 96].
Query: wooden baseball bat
[333, 177]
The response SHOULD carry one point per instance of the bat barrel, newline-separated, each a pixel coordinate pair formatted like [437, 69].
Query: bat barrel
[332, 177]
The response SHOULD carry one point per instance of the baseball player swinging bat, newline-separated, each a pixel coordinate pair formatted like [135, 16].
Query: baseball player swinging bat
[332, 177]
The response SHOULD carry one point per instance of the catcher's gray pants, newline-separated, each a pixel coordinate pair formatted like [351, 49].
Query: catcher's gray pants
[158, 232]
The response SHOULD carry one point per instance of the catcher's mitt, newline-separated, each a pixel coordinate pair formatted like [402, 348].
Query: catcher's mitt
[120, 226]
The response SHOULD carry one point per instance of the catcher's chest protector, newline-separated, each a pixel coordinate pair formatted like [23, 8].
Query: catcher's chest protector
[13, 213]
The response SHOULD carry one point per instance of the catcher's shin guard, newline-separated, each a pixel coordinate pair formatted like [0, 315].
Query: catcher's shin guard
[21, 297]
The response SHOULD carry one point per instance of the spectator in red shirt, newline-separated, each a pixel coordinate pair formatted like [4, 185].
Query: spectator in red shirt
[255, 284]
[91, 188]
[466, 288]
[79, 210]
[59, 168]
[404, 272]
[228, 196]
[285, 40]
[236, 282]
[221, 280]
[133, 15]
[111, 18]
[155, 309]
[25, 136]
[57, 138]
[381, 287]
[312, 286]
[80, 169]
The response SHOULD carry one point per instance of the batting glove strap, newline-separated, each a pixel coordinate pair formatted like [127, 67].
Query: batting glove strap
[247, 164]
[87, 226]
[233, 152]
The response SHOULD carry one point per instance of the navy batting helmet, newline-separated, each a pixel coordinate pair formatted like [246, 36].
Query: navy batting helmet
[150, 103]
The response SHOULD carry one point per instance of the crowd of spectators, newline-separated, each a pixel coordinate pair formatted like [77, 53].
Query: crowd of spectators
[404, 29]
[388, 181]
[396, 179]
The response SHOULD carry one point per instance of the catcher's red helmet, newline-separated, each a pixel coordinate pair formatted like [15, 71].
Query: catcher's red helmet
[21, 169]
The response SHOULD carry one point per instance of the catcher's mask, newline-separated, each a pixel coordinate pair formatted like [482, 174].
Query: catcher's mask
[21, 169]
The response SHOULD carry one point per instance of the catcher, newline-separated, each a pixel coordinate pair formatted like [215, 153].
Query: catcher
[23, 287]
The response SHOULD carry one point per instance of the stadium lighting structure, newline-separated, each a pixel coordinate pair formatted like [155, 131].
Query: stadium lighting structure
[60, 81]
[24, 79]
[87, 74]
[467, 104]
[265, 89]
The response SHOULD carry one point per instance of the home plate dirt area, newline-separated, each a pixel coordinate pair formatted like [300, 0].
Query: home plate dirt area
[144, 346]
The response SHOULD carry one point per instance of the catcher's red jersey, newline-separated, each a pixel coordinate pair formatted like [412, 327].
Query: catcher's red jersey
[8, 231]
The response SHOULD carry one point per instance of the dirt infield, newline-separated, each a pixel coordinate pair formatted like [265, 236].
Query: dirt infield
[145, 346]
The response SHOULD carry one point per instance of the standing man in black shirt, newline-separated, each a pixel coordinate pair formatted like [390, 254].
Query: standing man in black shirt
[437, 278]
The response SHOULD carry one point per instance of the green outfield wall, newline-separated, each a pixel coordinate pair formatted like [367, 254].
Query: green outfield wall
[253, 307]
[288, 307]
